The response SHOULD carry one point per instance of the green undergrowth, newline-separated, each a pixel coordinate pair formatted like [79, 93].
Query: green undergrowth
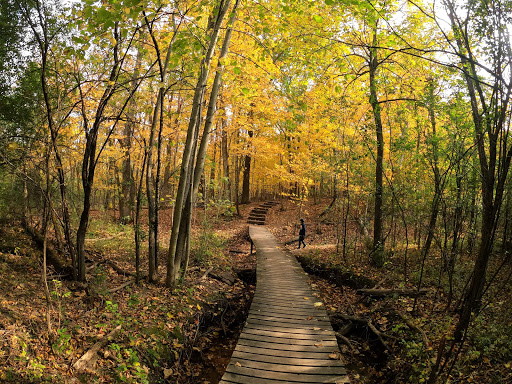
[162, 334]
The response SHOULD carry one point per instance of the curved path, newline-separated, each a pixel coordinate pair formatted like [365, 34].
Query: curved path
[287, 337]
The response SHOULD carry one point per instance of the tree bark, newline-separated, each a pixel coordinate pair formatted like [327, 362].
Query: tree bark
[226, 183]
[246, 177]
[126, 200]
[377, 257]
[438, 188]
[183, 187]
[137, 222]
[189, 158]
[152, 181]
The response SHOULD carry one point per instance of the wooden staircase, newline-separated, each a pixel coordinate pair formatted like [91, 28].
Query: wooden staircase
[257, 215]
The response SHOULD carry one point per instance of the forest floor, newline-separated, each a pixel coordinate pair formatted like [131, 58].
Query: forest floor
[148, 334]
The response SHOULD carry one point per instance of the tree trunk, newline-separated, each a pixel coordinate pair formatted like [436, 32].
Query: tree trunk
[246, 176]
[226, 183]
[491, 120]
[438, 188]
[152, 184]
[378, 242]
[150, 194]
[188, 153]
[137, 222]
[457, 228]
[90, 160]
[46, 218]
[126, 199]
[43, 42]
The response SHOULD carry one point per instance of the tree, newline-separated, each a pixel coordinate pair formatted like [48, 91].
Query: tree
[484, 25]
[152, 187]
[187, 186]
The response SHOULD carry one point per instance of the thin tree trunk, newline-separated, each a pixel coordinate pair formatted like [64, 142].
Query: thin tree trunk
[90, 159]
[226, 184]
[46, 217]
[137, 221]
[246, 177]
[438, 188]
[152, 185]
[183, 187]
[126, 200]
[378, 241]
[43, 42]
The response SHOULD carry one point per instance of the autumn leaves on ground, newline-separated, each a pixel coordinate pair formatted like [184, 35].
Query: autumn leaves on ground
[159, 335]
[148, 334]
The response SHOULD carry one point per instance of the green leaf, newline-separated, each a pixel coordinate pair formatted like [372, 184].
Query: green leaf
[318, 18]
[329, 2]
[237, 70]
[245, 91]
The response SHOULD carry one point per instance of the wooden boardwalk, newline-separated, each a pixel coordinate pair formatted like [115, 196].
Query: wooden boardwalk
[287, 337]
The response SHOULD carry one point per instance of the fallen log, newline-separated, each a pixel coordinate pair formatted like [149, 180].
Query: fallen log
[204, 276]
[52, 255]
[116, 268]
[89, 358]
[380, 292]
[129, 282]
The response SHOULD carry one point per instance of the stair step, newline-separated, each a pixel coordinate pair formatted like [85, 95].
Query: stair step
[257, 222]
[256, 214]
[256, 219]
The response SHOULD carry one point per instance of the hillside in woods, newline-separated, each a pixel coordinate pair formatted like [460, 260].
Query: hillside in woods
[188, 334]
[137, 135]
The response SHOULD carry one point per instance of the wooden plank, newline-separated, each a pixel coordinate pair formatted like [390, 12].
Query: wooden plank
[239, 379]
[261, 350]
[297, 322]
[288, 347]
[312, 330]
[284, 288]
[287, 360]
[289, 315]
[265, 324]
[268, 339]
[262, 302]
[286, 302]
[288, 335]
[250, 373]
[286, 308]
[288, 368]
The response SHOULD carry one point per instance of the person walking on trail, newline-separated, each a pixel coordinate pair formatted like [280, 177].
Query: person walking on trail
[302, 233]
